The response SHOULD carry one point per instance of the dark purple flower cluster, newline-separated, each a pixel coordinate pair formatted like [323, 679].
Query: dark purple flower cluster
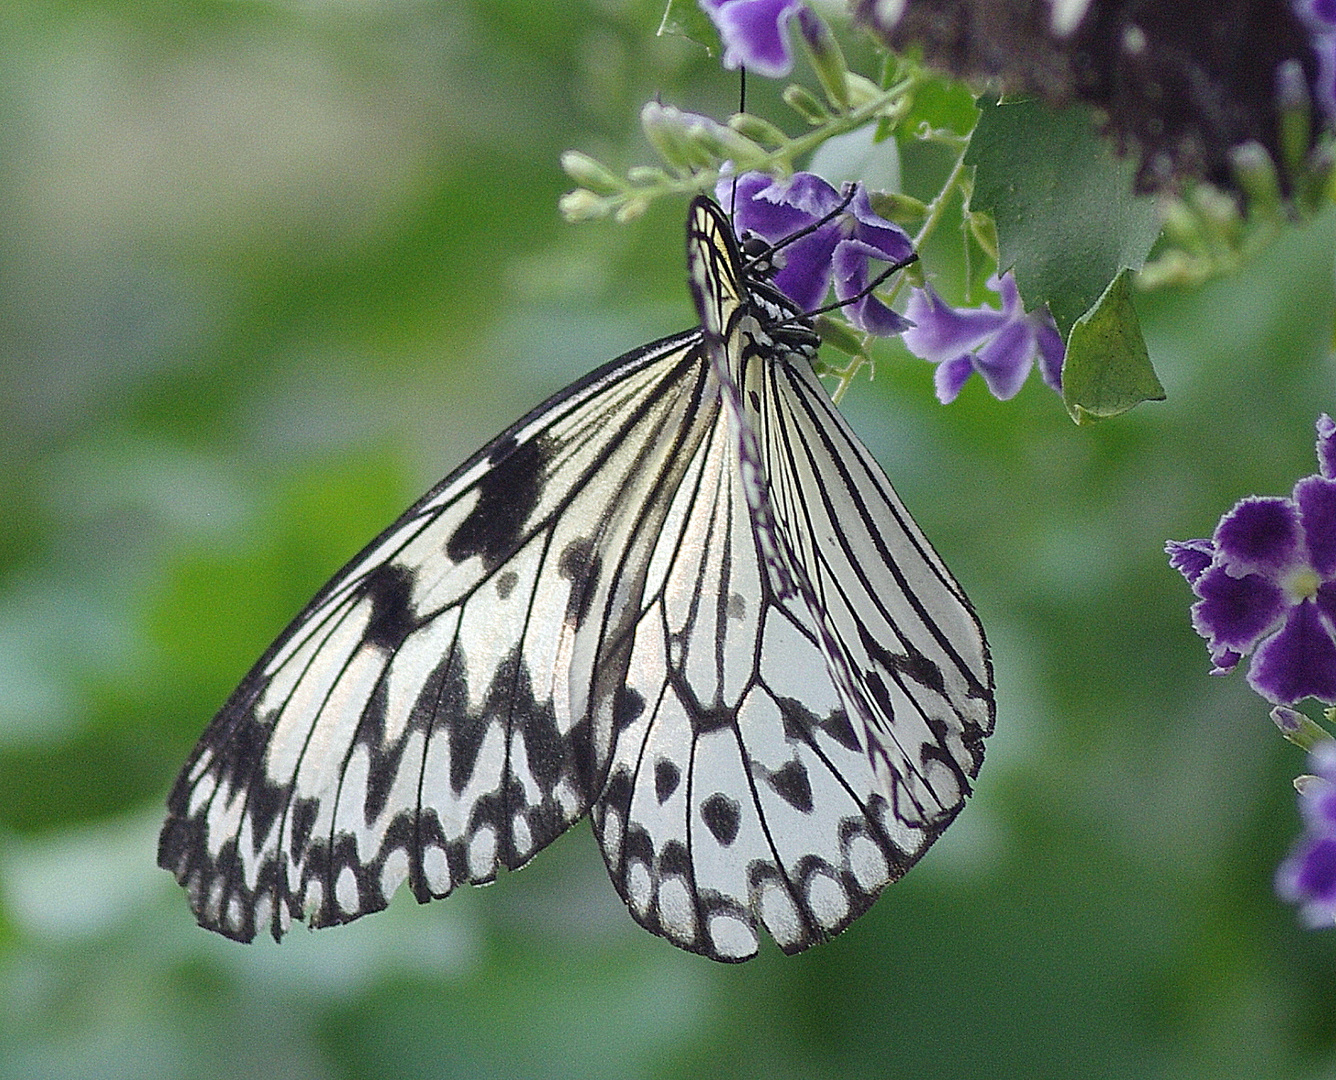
[1308, 876]
[1266, 584]
[837, 237]
[1001, 346]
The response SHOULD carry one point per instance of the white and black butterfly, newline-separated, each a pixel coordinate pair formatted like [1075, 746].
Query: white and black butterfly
[681, 597]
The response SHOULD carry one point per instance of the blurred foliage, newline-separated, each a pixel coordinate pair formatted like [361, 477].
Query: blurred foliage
[268, 271]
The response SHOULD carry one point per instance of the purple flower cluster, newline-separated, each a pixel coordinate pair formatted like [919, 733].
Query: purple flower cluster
[1308, 876]
[1266, 584]
[1001, 346]
[840, 236]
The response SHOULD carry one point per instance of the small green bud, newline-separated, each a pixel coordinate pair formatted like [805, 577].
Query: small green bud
[631, 209]
[1256, 175]
[827, 59]
[805, 103]
[838, 334]
[648, 176]
[1298, 729]
[663, 128]
[1296, 119]
[758, 130]
[1311, 186]
[590, 173]
[583, 205]
[898, 207]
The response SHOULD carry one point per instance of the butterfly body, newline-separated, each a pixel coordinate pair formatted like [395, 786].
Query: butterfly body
[679, 596]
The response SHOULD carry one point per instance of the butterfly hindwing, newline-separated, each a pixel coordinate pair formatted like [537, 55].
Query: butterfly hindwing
[814, 710]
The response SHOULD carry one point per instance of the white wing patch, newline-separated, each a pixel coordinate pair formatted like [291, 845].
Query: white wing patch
[680, 596]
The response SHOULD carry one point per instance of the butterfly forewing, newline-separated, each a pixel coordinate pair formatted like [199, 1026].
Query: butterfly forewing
[680, 595]
[430, 715]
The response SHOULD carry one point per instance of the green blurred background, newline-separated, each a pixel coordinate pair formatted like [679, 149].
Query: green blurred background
[266, 272]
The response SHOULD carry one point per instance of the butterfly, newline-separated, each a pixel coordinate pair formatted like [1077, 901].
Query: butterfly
[680, 597]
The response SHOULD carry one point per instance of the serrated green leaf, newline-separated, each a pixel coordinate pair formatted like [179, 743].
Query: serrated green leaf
[1067, 220]
[685, 18]
[1107, 369]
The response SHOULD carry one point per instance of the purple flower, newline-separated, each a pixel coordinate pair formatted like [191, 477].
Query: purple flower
[1320, 18]
[1001, 346]
[754, 33]
[838, 250]
[1266, 584]
[1308, 876]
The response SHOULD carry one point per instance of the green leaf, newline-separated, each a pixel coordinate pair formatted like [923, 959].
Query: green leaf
[1067, 220]
[685, 18]
[940, 104]
[1107, 369]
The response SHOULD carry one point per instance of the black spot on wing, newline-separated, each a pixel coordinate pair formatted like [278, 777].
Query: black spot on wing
[666, 778]
[793, 785]
[837, 726]
[705, 720]
[505, 584]
[800, 724]
[912, 665]
[390, 590]
[304, 813]
[617, 795]
[722, 816]
[545, 750]
[579, 564]
[507, 496]
[626, 708]
[675, 860]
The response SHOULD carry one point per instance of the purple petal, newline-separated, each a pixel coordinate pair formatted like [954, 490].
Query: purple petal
[1308, 877]
[1322, 761]
[1005, 361]
[1319, 808]
[941, 332]
[1326, 444]
[1298, 662]
[1325, 599]
[950, 376]
[1316, 497]
[874, 317]
[1224, 660]
[852, 275]
[805, 275]
[1190, 557]
[1235, 612]
[1260, 534]
[737, 193]
[807, 192]
[1005, 287]
[1051, 354]
[1317, 871]
[884, 240]
[1324, 10]
[754, 34]
[759, 206]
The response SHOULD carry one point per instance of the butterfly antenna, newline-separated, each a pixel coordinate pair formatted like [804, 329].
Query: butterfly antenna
[742, 107]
